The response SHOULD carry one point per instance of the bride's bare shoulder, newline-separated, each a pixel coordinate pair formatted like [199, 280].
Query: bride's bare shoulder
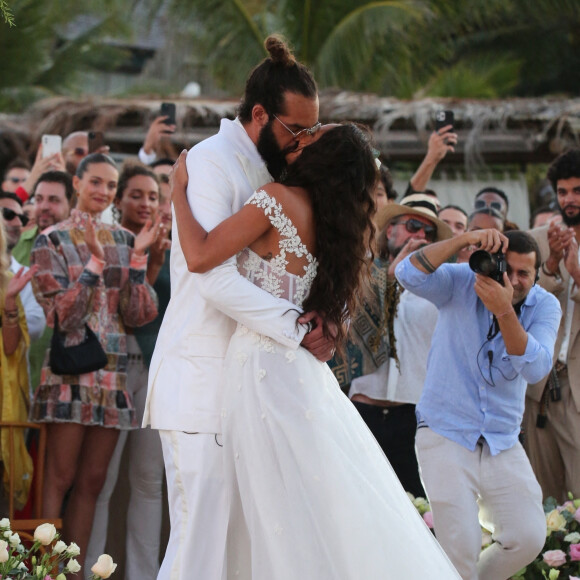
[283, 193]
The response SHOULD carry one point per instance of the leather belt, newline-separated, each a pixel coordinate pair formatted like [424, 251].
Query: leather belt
[360, 398]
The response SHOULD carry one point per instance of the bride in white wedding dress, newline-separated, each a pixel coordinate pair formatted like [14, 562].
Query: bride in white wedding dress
[313, 497]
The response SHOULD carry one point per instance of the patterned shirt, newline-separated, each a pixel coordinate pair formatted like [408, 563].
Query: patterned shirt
[108, 296]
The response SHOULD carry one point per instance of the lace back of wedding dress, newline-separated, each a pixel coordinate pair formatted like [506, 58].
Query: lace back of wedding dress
[312, 496]
[271, 275]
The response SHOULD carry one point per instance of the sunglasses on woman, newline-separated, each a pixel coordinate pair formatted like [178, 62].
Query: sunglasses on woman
[480, 204]
[413, 226]
[9, 215]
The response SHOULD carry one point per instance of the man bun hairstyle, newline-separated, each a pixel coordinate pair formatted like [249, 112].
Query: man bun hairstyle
[279, 51]
[277, 74]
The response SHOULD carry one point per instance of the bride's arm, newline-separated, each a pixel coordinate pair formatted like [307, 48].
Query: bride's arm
[205, 250]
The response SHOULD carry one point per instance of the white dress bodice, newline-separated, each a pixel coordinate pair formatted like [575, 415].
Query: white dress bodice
[271, 275]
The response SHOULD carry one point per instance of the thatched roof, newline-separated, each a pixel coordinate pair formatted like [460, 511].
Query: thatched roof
[514, 130]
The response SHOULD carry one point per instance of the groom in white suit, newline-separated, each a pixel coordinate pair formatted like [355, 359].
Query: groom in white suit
[278, 114]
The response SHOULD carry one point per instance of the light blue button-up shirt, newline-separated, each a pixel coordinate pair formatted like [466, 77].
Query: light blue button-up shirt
[473, 386]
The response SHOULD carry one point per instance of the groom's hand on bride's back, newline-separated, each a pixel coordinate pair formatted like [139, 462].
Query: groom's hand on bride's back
[314, 341]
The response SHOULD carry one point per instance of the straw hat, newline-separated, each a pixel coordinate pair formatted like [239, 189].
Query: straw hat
[416, 204]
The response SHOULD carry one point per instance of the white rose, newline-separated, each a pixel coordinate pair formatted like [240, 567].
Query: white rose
[573, 538]
[73, 566]
[4, 523]
[3, 551]
[104, 566]
[44, 534]
[73, 550]
[59, 547]
[14, 540]
[7, 534]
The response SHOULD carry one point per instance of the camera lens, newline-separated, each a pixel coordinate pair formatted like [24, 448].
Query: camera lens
[482, 262]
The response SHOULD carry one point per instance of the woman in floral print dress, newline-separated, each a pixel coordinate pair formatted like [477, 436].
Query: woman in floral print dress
[92, 273]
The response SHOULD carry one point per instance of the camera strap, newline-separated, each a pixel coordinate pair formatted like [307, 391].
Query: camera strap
[494, 326]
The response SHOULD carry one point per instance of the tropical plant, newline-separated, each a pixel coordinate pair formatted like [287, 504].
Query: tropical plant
[405, 48]
[6, 13]
[338, 39]
[52, 43]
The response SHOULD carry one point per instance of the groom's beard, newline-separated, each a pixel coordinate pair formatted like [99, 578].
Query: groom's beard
[271, 153]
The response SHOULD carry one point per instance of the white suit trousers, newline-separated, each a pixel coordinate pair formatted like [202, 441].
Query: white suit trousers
[198, 507]
[467, 487]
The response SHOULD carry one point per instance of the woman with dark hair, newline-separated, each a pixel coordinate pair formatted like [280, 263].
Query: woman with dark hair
[137, 201]
[312, 494]
[88, 273]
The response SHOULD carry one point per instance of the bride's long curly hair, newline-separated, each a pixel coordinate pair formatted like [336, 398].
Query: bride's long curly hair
[339, 173]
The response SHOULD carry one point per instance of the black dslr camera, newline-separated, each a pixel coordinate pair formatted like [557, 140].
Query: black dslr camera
[491, 265]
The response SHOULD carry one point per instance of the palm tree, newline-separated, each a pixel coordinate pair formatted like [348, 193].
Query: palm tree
[405, 48]
[52, 42]
[338, 39]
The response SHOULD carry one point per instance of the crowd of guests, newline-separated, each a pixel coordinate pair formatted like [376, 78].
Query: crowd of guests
[62, 267]
[393, 346]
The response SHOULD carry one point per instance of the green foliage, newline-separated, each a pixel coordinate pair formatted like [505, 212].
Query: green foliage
[43, 55]
[405, 48]
[478, 77]
[6, 13]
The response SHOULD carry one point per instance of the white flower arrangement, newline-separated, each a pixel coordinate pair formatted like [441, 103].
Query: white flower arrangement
[53, 563]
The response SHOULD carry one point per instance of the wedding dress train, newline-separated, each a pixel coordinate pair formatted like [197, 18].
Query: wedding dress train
[313, 496]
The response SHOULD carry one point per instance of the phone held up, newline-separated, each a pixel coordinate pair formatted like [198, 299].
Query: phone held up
[96, 141]
[443, 118]
[51, 145]
[168, 110]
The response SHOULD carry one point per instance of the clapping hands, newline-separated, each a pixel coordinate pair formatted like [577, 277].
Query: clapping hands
[18, 281]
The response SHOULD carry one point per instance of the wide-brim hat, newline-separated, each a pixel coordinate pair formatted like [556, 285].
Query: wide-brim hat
[416, 204]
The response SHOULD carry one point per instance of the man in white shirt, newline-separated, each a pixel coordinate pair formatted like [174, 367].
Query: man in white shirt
[278, 114]
[386, 398]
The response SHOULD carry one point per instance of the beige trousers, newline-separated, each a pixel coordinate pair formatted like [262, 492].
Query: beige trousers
[554, 451]
[468, 487]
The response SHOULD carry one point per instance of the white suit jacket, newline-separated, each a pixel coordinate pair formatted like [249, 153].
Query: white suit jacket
[185, 374]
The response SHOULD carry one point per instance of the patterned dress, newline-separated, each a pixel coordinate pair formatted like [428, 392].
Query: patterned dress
[68, 282]
[313, 496]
